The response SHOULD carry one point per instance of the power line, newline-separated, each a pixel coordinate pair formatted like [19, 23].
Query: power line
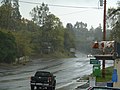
[59, 5]
[72, 6]
[29, 2]
[73, 13]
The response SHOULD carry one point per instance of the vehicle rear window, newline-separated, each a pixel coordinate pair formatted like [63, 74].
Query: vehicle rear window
[43, 74]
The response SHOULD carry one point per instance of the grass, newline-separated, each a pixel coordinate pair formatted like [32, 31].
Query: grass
[108, 75]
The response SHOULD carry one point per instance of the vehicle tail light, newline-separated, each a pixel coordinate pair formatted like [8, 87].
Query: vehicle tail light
[30, 78]
[49, 79]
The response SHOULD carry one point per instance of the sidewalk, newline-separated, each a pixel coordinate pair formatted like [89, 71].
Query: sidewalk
[101, 83]
[82, 87]
[71, 86]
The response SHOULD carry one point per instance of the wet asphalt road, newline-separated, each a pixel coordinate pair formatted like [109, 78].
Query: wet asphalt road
[67, 71]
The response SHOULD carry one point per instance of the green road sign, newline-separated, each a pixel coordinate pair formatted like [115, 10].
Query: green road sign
[96, 70]
[94, 61]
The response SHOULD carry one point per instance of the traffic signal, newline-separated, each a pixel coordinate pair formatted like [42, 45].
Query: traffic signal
[101, 2]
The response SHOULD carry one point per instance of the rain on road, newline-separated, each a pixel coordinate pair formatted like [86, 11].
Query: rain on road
[67, 71]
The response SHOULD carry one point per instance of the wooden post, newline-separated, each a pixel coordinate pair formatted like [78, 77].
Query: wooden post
[104, 37]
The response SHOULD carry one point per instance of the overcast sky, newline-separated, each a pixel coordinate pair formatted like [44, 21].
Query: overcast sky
[93, 17]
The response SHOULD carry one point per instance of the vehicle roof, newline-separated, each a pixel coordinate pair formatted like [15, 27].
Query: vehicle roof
[42, 72]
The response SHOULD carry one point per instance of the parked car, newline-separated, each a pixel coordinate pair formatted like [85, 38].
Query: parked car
[43, 80]
[103, 88]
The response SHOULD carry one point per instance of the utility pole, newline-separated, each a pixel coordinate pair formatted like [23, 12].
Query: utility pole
[104, 37]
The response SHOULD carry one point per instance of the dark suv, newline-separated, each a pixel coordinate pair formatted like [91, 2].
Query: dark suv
[43, 80]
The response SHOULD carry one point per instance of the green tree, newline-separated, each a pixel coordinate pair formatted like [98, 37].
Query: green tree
[7, 47]
[98, 33]
[15, 11]
[6, 2]
[37, 41]
[114, 22]
[10, 15]
[23, 42]
[39, 14]
[53, 33]
[15, 15]
[5, 16]
[69, 37]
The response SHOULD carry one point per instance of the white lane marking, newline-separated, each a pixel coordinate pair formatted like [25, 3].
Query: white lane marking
[73, 82]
